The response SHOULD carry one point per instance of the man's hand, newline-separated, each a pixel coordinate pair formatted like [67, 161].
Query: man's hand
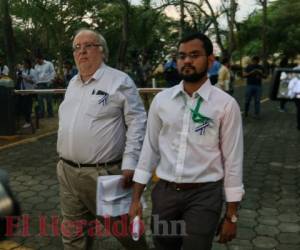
[127, 178]
[136, 209]
[227, 231]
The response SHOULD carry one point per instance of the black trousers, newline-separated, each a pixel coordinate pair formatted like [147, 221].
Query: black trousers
[26, 107]
[185, 219]
[297, 103]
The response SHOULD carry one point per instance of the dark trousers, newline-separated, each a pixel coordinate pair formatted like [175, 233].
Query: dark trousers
[26, 107]
[297, 103]
[255, 92]
[41, 98]
[185, 219]
[282, 104]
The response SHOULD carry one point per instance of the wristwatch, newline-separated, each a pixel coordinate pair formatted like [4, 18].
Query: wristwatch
[233, 218]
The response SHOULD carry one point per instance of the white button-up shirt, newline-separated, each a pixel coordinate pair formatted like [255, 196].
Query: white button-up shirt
[102, 120]
[45, 72]
[4, 70]
[28, 79]
[185, 154]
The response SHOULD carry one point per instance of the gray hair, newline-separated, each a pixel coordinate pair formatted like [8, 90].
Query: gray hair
[100, 39]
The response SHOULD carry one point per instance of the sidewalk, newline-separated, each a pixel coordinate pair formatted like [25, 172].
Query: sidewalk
[47, 126]
[270, 212]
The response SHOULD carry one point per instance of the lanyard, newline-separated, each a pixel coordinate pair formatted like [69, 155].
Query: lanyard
[196, 115]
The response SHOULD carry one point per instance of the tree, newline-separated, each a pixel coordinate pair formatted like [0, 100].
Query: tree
[264, 4]
[201, 17]
[230, 16]
[125, 33]
[9, 40]
[282, 34]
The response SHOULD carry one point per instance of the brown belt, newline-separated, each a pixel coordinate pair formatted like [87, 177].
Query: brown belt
[183, 186]
[79, 165]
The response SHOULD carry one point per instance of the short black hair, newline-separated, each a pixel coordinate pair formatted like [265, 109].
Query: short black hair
[225, 60]
[38, 54]
[28, 62]
[68, 62]
[256, 58]
[207, 44]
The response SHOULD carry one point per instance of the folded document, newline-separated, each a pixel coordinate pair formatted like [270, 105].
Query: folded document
[112, 198]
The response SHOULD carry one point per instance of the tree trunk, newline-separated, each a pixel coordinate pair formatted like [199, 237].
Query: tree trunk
[264, 34]
[216, 26]
[231, 22]
[9, 40]
[181, 28]
[121, 60]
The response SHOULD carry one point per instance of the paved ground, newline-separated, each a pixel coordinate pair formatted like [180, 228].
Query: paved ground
[270, 213]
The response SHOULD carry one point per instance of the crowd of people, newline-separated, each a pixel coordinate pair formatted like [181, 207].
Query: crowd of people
[42, 75]
[37, 74]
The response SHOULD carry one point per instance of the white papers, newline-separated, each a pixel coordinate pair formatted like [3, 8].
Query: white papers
[136, 228]
[112, 199]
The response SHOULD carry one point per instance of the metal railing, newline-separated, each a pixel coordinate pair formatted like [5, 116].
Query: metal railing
[62, 91]
[143, 92]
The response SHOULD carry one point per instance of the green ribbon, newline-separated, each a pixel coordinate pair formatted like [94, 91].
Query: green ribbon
[197, 116]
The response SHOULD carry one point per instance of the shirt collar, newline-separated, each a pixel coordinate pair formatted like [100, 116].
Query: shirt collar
[203, 91]
[96, 76]
[177, 89]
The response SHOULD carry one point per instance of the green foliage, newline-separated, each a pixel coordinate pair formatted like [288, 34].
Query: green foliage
[50, 26]
[283, 30]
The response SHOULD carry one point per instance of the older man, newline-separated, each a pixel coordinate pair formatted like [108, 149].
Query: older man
[101, 130]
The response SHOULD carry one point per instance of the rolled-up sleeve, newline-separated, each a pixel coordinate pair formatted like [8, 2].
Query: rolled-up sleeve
[135, 120]
[150, 152]
[232, 152]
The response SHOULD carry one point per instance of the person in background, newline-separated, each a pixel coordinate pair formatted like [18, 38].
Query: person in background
[213, 72]
[254, 73]
[170, 71]
[294, 92]
[194, 141]
[4, 71]
[27, 82]
[283, 64]
[225, 77]
[69, 72]
[45, 74]
[136, 72]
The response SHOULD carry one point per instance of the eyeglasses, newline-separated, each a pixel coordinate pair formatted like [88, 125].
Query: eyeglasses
[192, 56]
[87, 46]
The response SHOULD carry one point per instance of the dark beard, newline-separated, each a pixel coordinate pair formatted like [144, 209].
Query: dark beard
[193, 78]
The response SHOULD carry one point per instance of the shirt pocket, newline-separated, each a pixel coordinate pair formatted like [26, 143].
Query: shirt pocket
[101, 106]
[209, 137]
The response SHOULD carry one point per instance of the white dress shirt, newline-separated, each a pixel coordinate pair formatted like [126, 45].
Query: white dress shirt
[294, 87]
[185, 156]
[45, 72]
[4, 70]
[95, 127]
[28, 79]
